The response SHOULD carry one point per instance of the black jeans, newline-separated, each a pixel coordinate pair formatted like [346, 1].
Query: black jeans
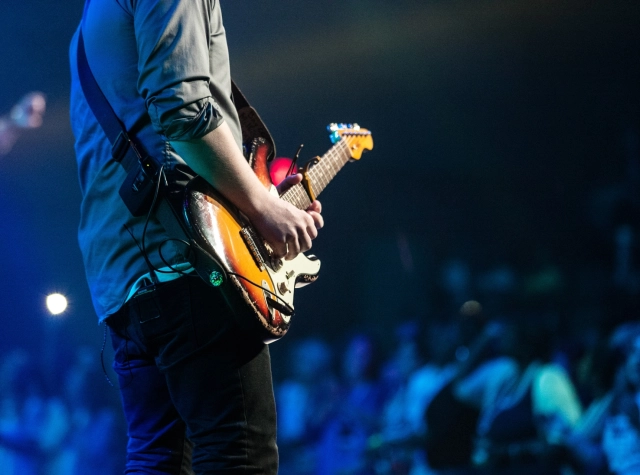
[190, 379]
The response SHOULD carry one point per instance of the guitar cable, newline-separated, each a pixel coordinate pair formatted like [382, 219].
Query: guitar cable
[288, 309]
[284, 306]
[161, 177]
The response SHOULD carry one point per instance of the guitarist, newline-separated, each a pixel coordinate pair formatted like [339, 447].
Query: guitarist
[196, 391]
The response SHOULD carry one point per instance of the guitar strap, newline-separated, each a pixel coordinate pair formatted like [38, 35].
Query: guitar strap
[252, 125]
[141, 186]
[138, 189]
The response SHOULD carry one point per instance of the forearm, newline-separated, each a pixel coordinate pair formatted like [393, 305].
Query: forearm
[217, 158]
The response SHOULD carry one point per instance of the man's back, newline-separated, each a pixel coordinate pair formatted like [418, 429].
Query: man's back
[164, 68]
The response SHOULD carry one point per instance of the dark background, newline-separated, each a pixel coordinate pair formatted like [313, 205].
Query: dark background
[505, 133]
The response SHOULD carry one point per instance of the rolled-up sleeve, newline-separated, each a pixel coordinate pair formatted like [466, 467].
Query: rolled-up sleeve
[173, 38]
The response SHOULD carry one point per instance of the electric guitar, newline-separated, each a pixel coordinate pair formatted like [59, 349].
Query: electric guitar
[231, 255]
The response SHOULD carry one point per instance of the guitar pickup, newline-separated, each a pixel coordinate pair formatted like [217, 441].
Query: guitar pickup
[249, 238]
[260, 250]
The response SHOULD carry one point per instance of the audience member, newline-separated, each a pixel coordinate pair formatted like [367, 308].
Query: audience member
[355, 416]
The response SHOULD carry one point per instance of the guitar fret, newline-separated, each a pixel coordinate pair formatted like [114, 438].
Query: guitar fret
[343, 157]
[337, 168]
[210, 219]
[292, 197]
[297, 196]
[303, 198]
[331, 162]
[322, 179]
[321, 174]
[317, 172]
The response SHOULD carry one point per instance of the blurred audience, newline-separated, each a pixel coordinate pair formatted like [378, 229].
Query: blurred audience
[523, 425]
[468, 395]
[64, 430]
[355, 416]
[26, 114]
[305, 401]
[539, 375]
[621, 432]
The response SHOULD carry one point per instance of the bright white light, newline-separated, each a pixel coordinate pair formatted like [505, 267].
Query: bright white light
[56, 303]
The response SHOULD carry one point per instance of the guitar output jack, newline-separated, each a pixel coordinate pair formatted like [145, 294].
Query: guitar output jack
[216, 278]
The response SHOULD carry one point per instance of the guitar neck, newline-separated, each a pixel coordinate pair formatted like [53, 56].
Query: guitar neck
[319, 175]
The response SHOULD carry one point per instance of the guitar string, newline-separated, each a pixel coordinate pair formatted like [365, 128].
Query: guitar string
[330, 160]
[298, 196]
[332, 157]
[218, 263]
[333, 160]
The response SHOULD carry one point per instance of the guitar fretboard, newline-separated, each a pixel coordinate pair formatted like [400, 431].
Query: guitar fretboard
[320, 174]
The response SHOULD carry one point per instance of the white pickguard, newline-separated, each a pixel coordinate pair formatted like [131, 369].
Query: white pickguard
[285, 279]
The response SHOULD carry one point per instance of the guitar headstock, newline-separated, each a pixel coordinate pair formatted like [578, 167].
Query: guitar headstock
[357, 138]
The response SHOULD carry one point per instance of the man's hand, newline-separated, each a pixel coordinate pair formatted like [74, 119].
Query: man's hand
[288, 230]
[217, 158]
[314, 208]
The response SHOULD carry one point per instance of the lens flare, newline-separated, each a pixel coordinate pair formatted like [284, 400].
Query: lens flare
[56, 303]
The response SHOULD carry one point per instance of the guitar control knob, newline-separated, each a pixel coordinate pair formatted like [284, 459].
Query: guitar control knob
[282, 288]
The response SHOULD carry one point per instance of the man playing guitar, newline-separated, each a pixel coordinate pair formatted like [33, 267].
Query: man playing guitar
[196, 390]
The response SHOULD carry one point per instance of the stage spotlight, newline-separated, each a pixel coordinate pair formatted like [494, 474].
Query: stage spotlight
[56, 303]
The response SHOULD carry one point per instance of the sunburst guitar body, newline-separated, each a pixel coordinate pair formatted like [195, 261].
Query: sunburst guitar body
[230, 255]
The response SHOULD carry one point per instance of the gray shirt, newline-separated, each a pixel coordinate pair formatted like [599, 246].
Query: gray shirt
[164, 67]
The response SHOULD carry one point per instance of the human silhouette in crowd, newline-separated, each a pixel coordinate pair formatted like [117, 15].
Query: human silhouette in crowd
[451, 415]
[305, 400]
[412, 378]
[26, 114]
[68, 429]
[406, 358]
[526, 421]
[19, 446]
[32, 421]
[512, 409]
[621, 431]
[355, 415]
[90, 444]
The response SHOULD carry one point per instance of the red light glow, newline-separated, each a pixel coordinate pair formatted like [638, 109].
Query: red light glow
[278, 169]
